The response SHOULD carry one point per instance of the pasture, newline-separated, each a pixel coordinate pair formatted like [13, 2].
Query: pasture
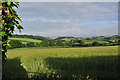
[98, 39]
[96, 62]
[25, 40]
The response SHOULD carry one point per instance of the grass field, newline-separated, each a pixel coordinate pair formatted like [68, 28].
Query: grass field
[25, 40]
[91, 41]
[97, 62]
[100, 40]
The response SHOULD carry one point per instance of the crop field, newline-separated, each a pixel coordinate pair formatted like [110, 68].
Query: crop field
[96, 62]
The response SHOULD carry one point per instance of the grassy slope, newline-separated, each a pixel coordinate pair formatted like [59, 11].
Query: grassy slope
[67, 62]
[99, 39]
[26, 40]
[91, 41]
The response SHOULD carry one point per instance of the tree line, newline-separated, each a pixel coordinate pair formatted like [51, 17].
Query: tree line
[54, 43]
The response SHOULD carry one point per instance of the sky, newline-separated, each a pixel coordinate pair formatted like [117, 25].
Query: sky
[76, 19]
[68, 0]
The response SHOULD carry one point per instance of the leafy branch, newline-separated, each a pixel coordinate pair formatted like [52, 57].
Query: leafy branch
[10, 20]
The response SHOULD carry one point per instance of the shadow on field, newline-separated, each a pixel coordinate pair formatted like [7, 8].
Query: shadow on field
[12, 70]
[97, 67]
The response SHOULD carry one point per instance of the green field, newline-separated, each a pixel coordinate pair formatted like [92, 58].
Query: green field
[97, 62]
[25, 40]
[98, 39]
[91, 41]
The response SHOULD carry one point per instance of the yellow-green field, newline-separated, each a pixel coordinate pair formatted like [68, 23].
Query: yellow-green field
[97, 62]
[26, 40]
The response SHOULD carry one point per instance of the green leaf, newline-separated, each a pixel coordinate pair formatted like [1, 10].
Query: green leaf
[10, 24]
[20, 30]
[18, 17]
[8, 45]
[4, 44]
[13, 11]
[17, 3]
[3, 33]
[16, 23]
[13, 31]
[20, 27]
[8, 3]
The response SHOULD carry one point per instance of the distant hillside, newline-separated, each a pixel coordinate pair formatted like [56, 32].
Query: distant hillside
[60, 38]
[100, 39]
[26, 40]
[30, 37]
[19, 41]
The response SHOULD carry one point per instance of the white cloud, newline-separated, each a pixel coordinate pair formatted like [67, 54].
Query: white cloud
[68, 10]
[54, 19]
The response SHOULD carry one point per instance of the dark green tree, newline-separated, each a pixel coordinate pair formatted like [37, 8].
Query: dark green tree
[95, 43]
[16, 44]
[30, 44]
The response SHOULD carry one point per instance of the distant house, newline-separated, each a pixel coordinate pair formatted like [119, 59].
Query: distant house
[110, 41]
[113, 41]
[107, 42]
[68, 40]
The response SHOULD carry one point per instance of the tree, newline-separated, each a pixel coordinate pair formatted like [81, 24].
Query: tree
[88, 39]
[30, 44]
[10, 20]
[59, 43]
[88, 45]
[16, 44]
[81, 42]
[75, 41]
[51, 43]
[107, 39]
[95, 43]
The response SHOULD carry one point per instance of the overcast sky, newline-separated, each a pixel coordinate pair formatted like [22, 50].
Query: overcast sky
[77, 19]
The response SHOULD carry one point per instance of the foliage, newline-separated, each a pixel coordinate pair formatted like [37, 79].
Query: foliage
[40, 41]
[30, 44]
[95, 43]
[88, 39]
[30, 37]
[10, 20]
[15, 44]
[81, 42]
